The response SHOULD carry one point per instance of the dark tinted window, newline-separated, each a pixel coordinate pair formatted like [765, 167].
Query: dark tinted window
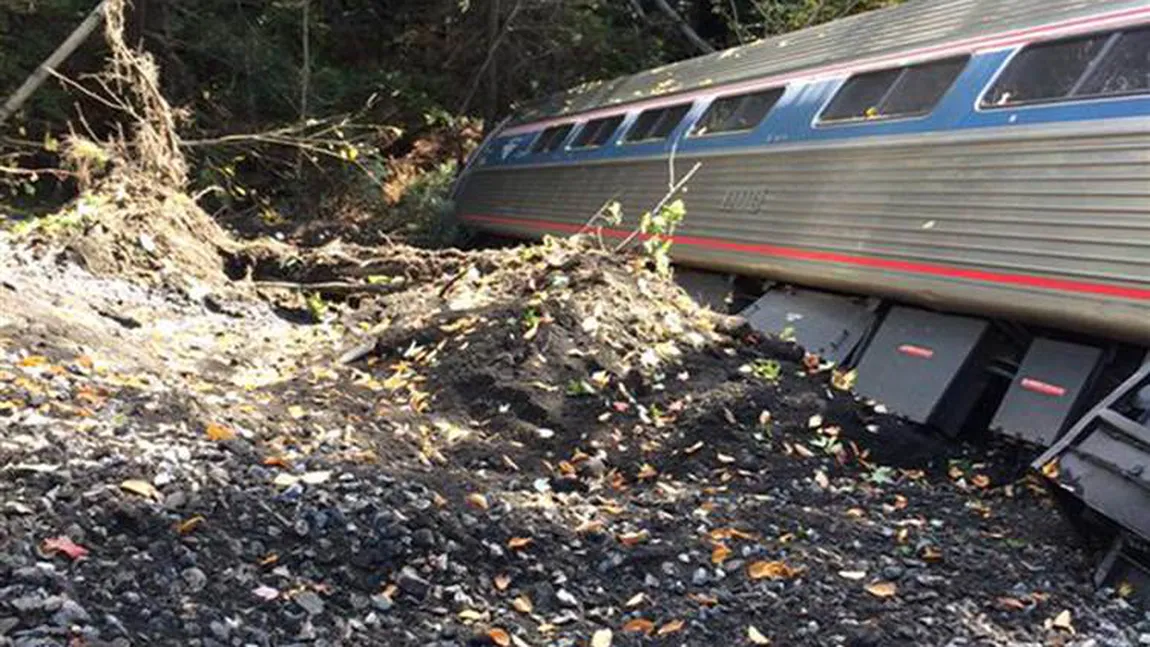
[552, 138]
[1124, 69]
[740, 112]
[861, 95]
[921, 87]
[899, 92]
[1045, 72]
[657, 123]
[597, 132]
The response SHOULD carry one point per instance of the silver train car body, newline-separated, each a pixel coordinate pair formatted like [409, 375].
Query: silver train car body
[983, 166]
[1046, 221]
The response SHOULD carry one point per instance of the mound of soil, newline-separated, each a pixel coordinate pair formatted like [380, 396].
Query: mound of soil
[545, 445]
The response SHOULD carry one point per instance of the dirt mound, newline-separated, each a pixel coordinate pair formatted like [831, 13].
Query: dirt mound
[529, 446]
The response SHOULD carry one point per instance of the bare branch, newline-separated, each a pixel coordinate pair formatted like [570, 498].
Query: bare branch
[687, 30]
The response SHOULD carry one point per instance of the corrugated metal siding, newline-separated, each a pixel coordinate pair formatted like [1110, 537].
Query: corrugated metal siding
[1073, 207]
[916, 24]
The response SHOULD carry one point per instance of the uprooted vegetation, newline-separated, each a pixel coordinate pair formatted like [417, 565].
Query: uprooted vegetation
[214, 441]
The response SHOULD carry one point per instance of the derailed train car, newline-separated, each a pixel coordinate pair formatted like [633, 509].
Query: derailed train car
[951, 195]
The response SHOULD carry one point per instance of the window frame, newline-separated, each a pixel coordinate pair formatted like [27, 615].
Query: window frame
[686, 106]
[820, 122]
[591, 145]
[570, 126]
[981, 105]
[781, 89]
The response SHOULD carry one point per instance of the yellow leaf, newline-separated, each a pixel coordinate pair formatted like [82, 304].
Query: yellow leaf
[1050, 470]
[670, 628]
[33, 361]
[635, 600]
[720, 553]
[756, 637]
[772, 570]
[647, 472]
[639, 626]
[189, 525]
[602, 638]
[517, 543]
[502, 581]
[882, 589]
[471, 615]
[219, 432]
[477, 501]
[499, 637]
[522, 604]
[296, 412]
[142, 488]
[1062, 621]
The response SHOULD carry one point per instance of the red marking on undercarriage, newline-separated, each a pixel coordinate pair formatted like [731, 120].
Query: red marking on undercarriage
[1044, 388]
[916, 351]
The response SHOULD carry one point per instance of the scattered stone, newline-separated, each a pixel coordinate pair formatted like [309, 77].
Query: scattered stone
[310, 602]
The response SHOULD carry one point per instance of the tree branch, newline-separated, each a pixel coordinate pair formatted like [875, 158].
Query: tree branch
[688, 32]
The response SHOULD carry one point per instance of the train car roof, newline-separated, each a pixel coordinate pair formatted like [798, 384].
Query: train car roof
[918, 28]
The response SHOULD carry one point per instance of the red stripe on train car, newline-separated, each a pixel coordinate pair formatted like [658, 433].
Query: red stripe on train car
[1043, 388]
[797, 253]
[916, 351]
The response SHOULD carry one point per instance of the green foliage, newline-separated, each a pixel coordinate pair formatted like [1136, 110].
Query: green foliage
[767, 370]
[658, 232]
[426, 210]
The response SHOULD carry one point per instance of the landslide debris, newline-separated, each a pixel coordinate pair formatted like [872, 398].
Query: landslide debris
[543, 445]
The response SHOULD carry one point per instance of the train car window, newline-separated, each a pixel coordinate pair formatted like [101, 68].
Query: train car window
[1045, 72]
[900, 92]
[1123, 69]
[921, 87]
[737, 113]
[552, 138]
[657, 123]
[860, 95]
[597, 132]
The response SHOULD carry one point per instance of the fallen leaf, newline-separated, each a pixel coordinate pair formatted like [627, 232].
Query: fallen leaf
[670, 628]
[189, 525]
[639, 626]
[283, 479]
[756, 637]
[822, 480]
[602, 638]
[980, 481]
[296, 411]
[772, 570]
[33, 361]
[900, 502]
[1062, 621]
[502, 581]
[852, 575]
[499, 637]
[1050, 470]
[1010, 604]
[633, 538]
[471, 615]
[140, 487]
[522, 604]
[518, 543]
[315, 478]
[635, 600]
[815, 422]
[882, 589]
[931, 554]
[720, 553]
[477, 501]
[64, 545]
[219, 432]
[725, 458]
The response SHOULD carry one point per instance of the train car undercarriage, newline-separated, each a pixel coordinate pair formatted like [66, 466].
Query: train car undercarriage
[1081, 404]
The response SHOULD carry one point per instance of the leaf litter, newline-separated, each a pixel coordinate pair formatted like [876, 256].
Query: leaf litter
[537, 445]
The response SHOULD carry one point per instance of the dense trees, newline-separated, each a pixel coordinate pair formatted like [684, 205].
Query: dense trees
[244, 66]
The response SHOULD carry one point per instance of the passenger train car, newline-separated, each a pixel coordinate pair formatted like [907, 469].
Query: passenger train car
[951, 195]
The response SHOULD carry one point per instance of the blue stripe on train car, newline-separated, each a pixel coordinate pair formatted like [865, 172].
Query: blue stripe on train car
[792, 121]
